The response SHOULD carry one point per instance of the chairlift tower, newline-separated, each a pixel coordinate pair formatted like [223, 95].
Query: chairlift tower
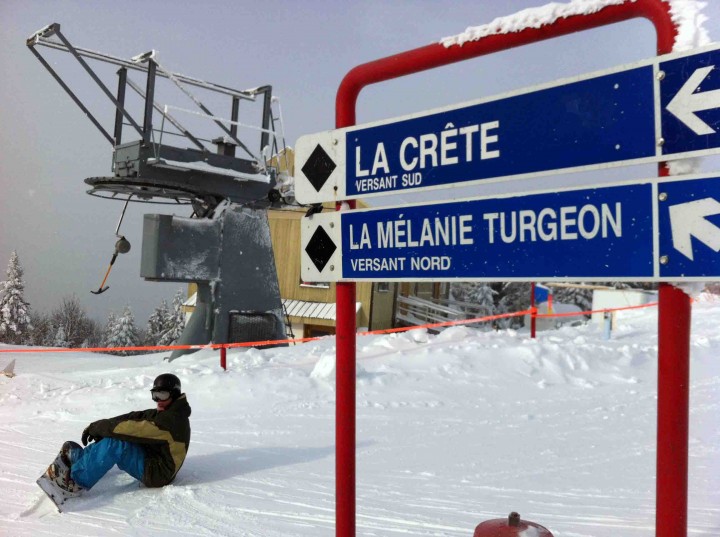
[224, 244]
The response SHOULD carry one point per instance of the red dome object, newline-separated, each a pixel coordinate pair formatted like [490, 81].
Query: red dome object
[510, 527]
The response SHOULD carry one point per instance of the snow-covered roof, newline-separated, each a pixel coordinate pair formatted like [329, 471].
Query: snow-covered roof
[298, 308]
[191, 301]
[312, 310]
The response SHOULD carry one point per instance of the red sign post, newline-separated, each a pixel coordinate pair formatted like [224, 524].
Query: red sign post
[674, 314]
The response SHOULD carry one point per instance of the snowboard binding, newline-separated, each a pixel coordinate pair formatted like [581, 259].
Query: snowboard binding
[57, 482]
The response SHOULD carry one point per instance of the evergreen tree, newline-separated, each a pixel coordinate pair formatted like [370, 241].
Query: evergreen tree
[15, 323]
[96, 339]
[461, 290]
[40, 326]
[158, 323]
[476, 299]
[176, 321]
[124, 333]
[483, 297]
[581, 297]
[108, 330]
[48, 339]
[713, 288]
[60, 339]
[512, 297]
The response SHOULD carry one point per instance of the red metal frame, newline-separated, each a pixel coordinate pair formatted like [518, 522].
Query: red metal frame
[533, 311]
[671, 486]
[674, 304]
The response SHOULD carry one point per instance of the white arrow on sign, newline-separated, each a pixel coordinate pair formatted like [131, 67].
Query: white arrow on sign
[684, 105]
[688, 220]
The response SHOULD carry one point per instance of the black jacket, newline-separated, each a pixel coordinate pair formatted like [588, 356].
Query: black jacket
[164, 436]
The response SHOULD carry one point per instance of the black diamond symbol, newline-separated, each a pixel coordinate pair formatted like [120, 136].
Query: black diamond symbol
[320, 248]
[318, 167]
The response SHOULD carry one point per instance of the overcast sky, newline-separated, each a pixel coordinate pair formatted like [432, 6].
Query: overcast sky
[302, 48]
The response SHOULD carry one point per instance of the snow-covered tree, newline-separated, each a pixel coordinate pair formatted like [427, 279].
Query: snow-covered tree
[474, 298]
[108, 330]
[124, 333]
[495, 298]
[74, 320]
[60, 339]
[580, 296]
[15, 323]
[40, 326]
[713, 288]
[96, 337]
[483, 297]
[648, 286]
[512, 297]
[460, 290]
[176, 321]
[158, 323]
[48, 339]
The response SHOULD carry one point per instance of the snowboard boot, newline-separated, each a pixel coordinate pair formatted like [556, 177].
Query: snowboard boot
[59, 474]
[59, 471]
[70, 453]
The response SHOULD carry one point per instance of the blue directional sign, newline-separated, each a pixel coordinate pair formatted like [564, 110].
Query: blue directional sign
[661, 109]
[690, 103]
[689, 229]
[655, 230]
[567, 126]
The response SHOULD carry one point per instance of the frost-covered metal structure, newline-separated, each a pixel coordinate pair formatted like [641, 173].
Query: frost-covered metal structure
[217, 165]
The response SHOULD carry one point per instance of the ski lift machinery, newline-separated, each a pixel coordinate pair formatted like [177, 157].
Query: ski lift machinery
[224, 245]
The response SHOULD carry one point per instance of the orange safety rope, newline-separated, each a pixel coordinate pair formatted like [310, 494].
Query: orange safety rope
[304, 340]
[590, 312]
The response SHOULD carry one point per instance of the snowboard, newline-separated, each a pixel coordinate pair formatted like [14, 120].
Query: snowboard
[56, 483]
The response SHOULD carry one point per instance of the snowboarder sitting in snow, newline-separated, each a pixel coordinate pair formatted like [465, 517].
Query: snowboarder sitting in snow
[150, 445]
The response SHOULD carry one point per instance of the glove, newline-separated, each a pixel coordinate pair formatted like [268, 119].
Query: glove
[88, 437]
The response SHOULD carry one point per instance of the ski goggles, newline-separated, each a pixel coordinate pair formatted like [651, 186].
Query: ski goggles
[160, 395]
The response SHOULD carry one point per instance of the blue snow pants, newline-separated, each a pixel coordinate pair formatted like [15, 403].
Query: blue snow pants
[98, 457]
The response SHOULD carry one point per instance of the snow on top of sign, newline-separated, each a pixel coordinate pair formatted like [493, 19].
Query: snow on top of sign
[534, 17]
[685, 13]
[687, 16]
[689, 19]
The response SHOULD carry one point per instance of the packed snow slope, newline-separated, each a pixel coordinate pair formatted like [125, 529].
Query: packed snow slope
[453, 429]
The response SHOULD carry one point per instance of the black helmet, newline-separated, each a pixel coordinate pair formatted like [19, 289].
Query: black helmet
[167, 382]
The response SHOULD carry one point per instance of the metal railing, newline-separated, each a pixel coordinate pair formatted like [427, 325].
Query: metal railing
[412, 310]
